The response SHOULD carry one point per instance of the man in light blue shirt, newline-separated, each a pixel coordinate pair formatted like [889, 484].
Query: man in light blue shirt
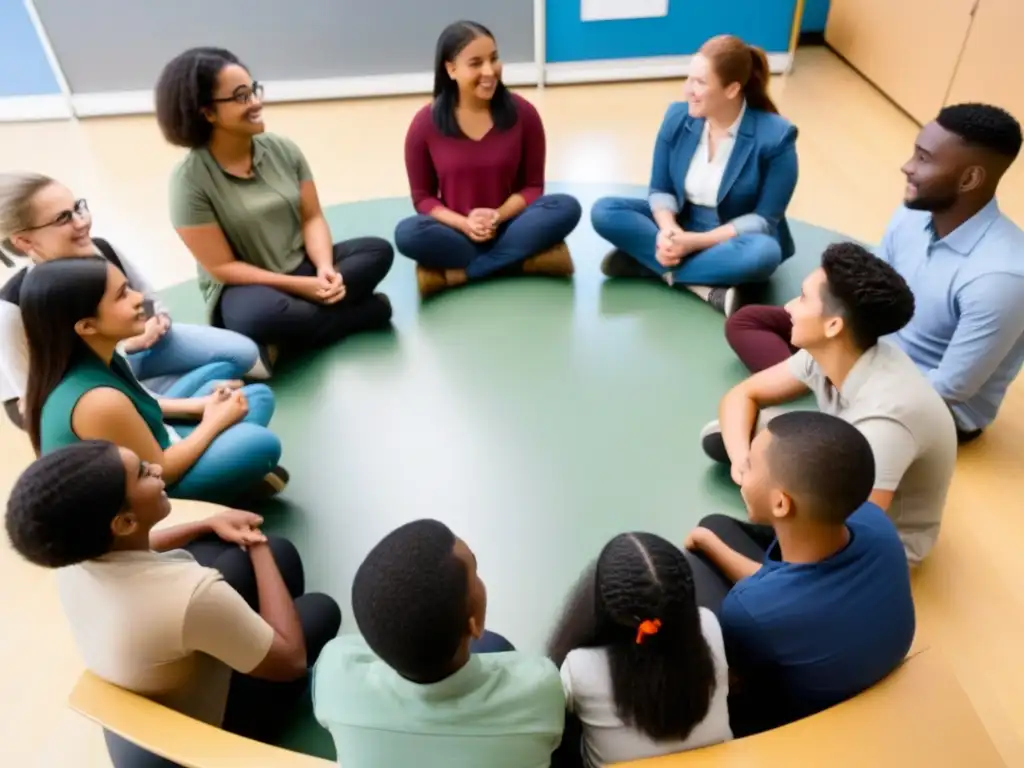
[963, 259]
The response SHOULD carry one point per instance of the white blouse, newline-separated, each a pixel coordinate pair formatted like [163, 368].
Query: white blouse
[587, 681]
[704, 176]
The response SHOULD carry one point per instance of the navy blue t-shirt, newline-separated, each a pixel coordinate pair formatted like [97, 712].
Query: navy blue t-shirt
[803, 637]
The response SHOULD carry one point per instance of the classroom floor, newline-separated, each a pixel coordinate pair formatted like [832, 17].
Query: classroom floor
[536, 417]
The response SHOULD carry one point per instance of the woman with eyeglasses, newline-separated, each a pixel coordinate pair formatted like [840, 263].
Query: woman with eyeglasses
[41, 219]
[245, 204]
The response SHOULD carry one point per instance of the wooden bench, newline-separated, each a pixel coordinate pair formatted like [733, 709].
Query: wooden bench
[918, 716]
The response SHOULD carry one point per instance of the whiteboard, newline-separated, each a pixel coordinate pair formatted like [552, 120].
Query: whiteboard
[607, 10]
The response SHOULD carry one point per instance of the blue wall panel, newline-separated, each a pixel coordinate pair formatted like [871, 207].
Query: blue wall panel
[689, 23]
[24, 68]
[815, 15]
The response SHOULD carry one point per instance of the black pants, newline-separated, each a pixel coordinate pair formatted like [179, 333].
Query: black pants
[748, 539]
[269, 316]
[256, 709]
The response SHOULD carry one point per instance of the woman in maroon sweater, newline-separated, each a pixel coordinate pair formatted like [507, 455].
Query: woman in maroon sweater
[475, 159]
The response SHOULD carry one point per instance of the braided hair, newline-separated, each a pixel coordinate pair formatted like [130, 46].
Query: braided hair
[637, 602]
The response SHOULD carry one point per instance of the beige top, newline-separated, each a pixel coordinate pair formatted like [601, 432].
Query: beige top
[163, 626]
[910, 429]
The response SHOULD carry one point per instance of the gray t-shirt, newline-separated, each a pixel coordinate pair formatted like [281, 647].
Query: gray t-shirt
[910, 429]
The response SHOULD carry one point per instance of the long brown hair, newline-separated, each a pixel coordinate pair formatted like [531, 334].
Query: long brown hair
[736, 62]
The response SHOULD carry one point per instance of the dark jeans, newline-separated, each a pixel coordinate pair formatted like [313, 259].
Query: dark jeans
[256, 709]
[759, 335]
[491, 642]
[269, 316]
[545, 223]
[748, 539]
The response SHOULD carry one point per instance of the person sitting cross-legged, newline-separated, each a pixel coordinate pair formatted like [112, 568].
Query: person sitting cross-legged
[426, 685]
[813, 595]
[169, 613]
[845, 307]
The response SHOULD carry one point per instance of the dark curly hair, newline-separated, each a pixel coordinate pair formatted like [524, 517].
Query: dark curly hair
[823, 461]
[60, 509]
[985, 126]
[664, 684]
[872, 298]
[410, 598]
[185, 89]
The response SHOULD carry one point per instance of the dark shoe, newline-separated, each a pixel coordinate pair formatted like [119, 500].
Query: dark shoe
[713, 444]
[620, 264]
[725, 300]
[554, 262]
[270, 485]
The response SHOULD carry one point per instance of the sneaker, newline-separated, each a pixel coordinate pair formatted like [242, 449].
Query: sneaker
[725, 300]
[713, 444]
[554, 262]
[270, 485]
[620, 264]
[263, 368]
[430, 281]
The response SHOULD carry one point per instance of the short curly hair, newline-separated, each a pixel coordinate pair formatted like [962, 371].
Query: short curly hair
[60, 509]
[410, 598]
[985, 126]
[872, 298]
[185, 89]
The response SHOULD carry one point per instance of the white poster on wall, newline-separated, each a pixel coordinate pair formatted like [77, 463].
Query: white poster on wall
[607, 10]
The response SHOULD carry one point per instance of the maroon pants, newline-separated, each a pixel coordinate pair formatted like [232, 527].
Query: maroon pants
[760, 336]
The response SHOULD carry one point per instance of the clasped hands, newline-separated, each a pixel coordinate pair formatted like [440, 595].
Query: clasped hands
[156, 327]
[236, 526]
[481, 224]
[673, 244]
[330, 288]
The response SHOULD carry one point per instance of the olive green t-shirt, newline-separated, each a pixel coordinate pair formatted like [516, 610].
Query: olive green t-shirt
[260, 216]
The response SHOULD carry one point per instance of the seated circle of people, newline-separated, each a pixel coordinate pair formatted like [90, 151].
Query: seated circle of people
[845, 308]
[213, 446]
[475, 158]
[245, 204]
[427, 684]
[229, 631]
[42, 220]
[960, 255]
[813, 594]
[723, 173]
[643, 668]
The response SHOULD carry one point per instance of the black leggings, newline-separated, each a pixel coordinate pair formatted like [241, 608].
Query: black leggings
[269, 316]
[748, 539]
[256, 709]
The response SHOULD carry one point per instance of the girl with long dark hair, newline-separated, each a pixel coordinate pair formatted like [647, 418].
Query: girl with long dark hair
[475, 159]
[723, 173]
[643, 667]
[76, 312]
[245, 204]
[41, 219]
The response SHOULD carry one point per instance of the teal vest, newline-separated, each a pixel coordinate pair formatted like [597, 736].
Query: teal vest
[86, 373]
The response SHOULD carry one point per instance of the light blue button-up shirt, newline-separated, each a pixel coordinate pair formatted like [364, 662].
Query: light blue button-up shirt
[967, 333]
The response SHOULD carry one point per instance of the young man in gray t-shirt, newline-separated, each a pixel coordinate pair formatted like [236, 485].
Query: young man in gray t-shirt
[844, 308]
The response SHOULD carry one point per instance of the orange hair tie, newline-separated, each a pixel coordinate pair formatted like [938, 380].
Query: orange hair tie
[647, 627]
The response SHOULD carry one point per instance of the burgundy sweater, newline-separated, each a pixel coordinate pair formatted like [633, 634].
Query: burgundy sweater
[462, 174]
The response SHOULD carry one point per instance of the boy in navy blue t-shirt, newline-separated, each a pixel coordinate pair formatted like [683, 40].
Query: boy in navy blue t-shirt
[814, 600]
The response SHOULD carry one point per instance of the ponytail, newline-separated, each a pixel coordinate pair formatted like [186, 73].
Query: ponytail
[756, 89]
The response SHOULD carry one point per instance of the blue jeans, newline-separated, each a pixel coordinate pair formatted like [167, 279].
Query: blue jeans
[628, 224]
[185, 348]
[238, 457]
[545, 223]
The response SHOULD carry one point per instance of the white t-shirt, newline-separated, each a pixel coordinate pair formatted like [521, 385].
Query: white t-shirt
[704, 176]
[586, 679]
[163, 626]
[910, 429]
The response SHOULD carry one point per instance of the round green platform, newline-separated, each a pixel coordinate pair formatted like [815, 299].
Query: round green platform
[535, 417]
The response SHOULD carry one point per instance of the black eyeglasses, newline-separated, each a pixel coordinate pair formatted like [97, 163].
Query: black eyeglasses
[243, 96]
[80, 209]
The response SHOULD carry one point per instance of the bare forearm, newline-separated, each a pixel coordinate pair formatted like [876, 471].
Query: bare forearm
[276, 604]
[182, 456]
[512, 207]
[665, 219]
[177, 536]
[317, 238]
[737, 416]
[448, 217]
[181, 407]
[734, 566]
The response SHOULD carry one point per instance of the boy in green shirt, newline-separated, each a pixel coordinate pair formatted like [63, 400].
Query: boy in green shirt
[426, 685]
